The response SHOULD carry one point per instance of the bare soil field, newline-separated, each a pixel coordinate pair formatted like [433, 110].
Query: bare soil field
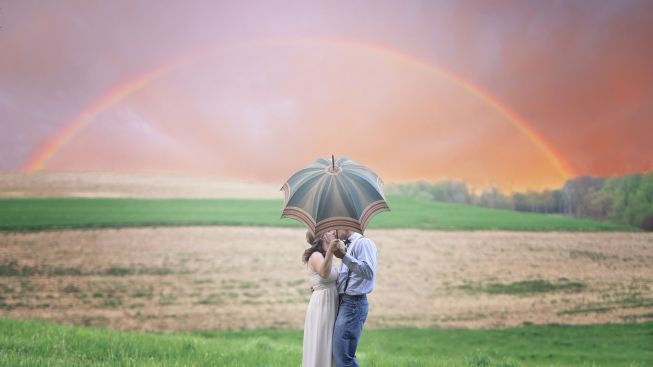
[176, 279]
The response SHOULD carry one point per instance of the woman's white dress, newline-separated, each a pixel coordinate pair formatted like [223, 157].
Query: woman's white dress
[320, 319]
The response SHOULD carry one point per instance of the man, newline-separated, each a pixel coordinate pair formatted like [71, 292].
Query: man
[355, 281]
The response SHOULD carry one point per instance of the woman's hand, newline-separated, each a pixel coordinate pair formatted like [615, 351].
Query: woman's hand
[328, 238]
[334, 244]
[337, 248]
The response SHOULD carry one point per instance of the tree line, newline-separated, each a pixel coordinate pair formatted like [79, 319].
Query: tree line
[627, 199]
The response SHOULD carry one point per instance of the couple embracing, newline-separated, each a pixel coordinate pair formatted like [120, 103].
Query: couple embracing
[338, 306]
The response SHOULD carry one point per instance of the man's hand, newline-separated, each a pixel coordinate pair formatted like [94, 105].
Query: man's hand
[337, 248]
[340, 253]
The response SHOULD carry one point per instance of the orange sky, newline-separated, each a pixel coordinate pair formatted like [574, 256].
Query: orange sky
[264, 94]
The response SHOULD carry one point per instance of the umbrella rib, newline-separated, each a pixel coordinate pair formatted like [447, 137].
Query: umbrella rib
[373, 209]
[351, 198]
[299, 215]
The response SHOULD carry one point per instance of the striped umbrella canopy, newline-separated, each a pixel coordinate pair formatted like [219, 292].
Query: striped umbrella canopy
[334, 194]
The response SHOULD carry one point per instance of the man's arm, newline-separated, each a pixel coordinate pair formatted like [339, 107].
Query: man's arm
[364, 264]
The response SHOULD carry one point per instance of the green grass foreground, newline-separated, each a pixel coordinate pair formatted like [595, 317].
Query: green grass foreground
[29, 343]
[43, 214]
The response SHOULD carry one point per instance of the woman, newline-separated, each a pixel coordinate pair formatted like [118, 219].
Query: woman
[323, 306]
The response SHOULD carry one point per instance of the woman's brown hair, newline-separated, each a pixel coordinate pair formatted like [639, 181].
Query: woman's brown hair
[316, 246]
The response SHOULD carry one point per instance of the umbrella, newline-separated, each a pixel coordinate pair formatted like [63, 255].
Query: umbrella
[335, 194]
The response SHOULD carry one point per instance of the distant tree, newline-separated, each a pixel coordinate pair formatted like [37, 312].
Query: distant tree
[558, 201]
[648, 223]
[521, 202]
[632, 199]
[492, 197]
[597, 204]
[458, 192]
[440, 192]
[576, 192]
[627, 199]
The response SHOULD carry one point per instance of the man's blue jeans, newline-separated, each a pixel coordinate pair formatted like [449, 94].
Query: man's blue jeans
[349, 325]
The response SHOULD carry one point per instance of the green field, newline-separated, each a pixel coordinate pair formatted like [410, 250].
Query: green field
[43, 214]
[28, 343]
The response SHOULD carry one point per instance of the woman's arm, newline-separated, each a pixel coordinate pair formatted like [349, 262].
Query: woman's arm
[322, 264]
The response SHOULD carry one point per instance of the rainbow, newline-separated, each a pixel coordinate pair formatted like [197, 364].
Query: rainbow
[72, 128]
[121, 91]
